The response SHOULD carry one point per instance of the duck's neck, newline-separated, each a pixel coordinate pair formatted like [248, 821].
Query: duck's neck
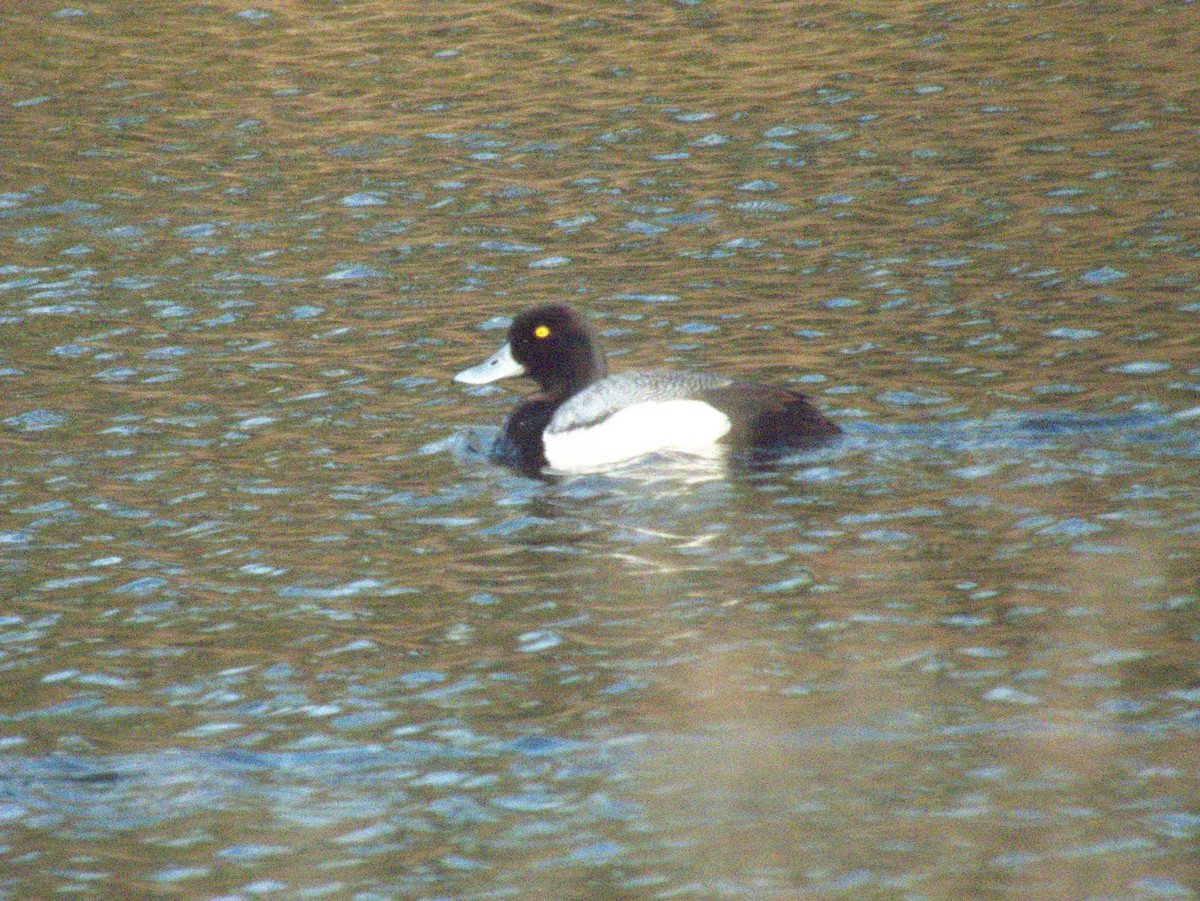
[585, 364]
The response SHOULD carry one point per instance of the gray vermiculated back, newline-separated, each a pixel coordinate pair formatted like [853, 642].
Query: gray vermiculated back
[604, 398]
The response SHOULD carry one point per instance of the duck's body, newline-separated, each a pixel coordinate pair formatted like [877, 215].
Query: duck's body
[584, 419]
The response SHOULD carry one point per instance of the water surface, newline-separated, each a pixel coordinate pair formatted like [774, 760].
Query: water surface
[273, 626]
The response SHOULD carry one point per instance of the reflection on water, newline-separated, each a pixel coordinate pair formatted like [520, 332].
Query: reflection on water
[274, 626]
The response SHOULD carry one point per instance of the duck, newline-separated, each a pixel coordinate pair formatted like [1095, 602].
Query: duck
[584, 419]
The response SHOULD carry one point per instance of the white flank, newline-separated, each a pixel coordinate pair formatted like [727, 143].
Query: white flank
[684, 426]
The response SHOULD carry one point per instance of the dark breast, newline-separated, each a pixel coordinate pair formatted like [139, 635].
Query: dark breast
[521, 444]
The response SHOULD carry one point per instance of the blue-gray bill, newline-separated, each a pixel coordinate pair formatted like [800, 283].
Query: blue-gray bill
[499, 365]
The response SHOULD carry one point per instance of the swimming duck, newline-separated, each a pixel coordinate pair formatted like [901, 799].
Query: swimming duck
[583, 418]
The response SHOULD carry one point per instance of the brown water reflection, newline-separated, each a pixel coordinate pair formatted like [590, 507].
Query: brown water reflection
[275, 627]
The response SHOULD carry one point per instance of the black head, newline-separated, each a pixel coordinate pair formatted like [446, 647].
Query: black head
[558, 348]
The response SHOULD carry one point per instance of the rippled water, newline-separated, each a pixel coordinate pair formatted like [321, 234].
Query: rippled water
[273, 626]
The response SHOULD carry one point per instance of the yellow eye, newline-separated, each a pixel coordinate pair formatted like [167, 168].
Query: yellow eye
[542, 331]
